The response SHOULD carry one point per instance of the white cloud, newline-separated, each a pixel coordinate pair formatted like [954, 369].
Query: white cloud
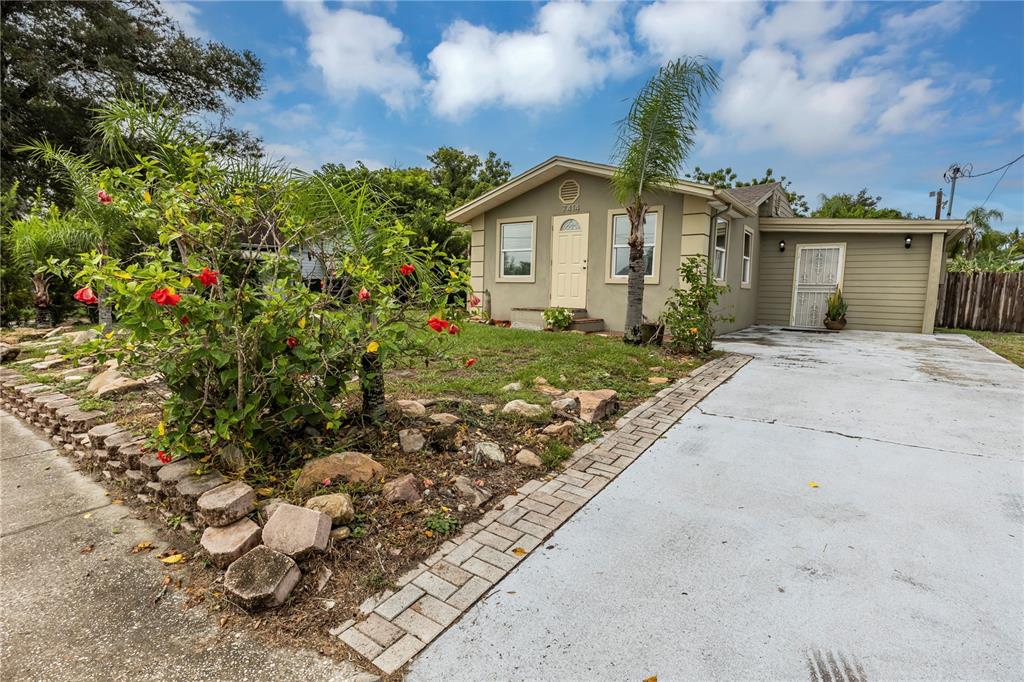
[946, 16]
[298, 118]
[186, 15]
[799, 22]
[677, 29]
[980, 85]
[766, 101]
[571, 48]
[336, 145]
[358, 52]
[914, 110]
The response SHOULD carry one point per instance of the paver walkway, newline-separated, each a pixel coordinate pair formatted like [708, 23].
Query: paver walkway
[712, 558]
[69, 616]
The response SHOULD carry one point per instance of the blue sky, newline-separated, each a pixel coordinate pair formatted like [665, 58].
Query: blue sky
[834, 96]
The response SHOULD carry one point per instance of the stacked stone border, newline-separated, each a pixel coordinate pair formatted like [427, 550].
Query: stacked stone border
[396, 624]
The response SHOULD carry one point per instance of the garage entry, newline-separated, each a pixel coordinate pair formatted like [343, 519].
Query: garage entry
[888, 271]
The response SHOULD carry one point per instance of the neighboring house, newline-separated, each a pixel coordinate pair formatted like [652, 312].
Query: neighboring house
[554, 236]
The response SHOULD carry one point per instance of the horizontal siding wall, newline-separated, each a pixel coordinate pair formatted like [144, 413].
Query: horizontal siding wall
[884, 283]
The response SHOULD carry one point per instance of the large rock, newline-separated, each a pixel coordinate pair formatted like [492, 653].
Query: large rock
[297, 531]
[547, 389]
[9, 352]
[522, 408]
[102, 379]
[82, 337]
[227, 543]
[596, 405]
[528, 458]
[120, 386]
[563, 431]
[353, 467]
[225, 504]
[476, 494]
[564, 404]
[411, 440]
[98, 434]
[49, 362]
[338, 506]
[444, 419]
[261, 578]
[488, 453]
[404, 489]
[411, 408]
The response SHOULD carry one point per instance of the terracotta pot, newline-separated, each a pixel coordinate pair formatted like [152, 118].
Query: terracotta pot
[835, 325]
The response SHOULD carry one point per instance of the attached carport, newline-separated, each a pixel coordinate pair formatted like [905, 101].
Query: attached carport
[889, 271]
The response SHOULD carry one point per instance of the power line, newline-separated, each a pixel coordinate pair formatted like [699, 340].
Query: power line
[994, 170]
[1005, 168]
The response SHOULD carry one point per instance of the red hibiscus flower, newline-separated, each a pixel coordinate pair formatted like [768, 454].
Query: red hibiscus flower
[454, 329]
[364, 295]
[165, 297]
[86, 296]
[474, 300]
[407, 269]
[104, 198]
[437, 324]
[163, 456]
[326, 482]
[292, 341]
[470, 362]
[183, 319]
[208, 277]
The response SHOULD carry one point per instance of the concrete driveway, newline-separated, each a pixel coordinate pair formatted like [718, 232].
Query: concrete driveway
[712, 556]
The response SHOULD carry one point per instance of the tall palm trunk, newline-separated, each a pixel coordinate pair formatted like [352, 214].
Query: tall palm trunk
[635, 282]
[371, 378]
[41, 299]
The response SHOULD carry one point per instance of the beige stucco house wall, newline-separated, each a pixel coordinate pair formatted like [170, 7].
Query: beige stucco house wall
[888, 287]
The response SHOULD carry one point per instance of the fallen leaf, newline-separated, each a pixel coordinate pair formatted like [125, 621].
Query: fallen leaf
[223, 621]
[265, 492]
[87, 515]
[812, 484]
[143, 546]
[657, 380]
[173, 559]
[86, 549]
[519, 551]
[117, 501]
[205, 459]
[429, 533]
[652, 678]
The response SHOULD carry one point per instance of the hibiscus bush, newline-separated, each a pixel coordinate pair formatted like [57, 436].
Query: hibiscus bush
[689, 315]
[268, 296]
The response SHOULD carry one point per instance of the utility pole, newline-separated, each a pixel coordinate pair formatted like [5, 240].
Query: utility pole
[938, 203]
[955, 171]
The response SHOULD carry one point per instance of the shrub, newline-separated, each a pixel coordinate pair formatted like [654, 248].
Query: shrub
[689, 316]
[837, 306]
[558, 319]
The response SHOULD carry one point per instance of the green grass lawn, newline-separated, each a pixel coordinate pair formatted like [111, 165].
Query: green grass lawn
[1008, 344]
[567, 360]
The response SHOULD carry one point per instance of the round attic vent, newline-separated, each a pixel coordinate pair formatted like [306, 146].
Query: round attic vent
[569, 192]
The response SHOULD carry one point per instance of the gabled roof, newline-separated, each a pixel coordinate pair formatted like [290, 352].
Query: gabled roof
[753, 195]
[548, 170]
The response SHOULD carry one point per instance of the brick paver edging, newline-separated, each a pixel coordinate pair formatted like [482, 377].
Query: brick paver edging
[396, 625]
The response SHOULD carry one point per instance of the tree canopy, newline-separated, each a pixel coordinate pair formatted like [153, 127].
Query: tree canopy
[859, 205]
[61, 61]
[726, 178]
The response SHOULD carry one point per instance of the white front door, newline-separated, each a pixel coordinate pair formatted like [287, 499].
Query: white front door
[819, 272]
[569, 260]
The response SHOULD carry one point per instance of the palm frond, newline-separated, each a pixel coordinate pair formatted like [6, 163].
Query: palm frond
[76, 170]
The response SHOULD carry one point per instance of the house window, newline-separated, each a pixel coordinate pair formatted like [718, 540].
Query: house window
[721, 248]
[516, 257]
[620, 245]
[748, 249]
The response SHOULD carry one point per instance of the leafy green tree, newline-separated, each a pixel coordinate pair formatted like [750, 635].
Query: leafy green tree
[15, 294]
[62, 60]
[726, 178]
[654, 140]
[860, 205]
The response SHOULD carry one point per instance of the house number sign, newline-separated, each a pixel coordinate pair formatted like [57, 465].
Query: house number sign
[571, 208]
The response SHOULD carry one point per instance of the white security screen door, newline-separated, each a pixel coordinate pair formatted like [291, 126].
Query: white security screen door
[569, 260]
[819, 271]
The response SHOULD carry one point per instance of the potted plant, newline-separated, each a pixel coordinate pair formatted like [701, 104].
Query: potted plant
[835, 315]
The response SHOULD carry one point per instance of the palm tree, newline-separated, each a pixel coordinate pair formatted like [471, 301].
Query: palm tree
[654, 140]
[981, 236]
[36, 239]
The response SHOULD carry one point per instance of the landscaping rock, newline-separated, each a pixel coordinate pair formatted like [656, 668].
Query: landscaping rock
[477, 495]
[446, 438]
[353, 467]
[8, 352]
[528, 458]
[48, 363]
[564, 404]
[411, 440]
[297, 531]
[98, 434]
[102, 379]
[120, 386]
[150, 465]
[522, 408]
[547, 389]
[539, 381]
[341, 533]
[82, 337]
[225, 504]
[56, 331]
[596, 405]
[227, 543]
[261, 578]
[488, 408]
[232, 457]
[192, 486]
[444, 418]
[338, 506]
[488, 453]
[563, 431]
[658, 380]
[514, 386]
[268, 507]
[404, 489]
[411, 408]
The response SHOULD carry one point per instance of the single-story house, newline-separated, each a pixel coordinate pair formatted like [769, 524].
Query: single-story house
[555, 236]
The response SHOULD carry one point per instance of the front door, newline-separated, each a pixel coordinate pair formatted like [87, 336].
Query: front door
[569, 260]
[819, 272]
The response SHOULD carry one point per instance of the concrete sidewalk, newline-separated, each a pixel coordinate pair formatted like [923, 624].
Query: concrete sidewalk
[67, 616]
[712, 558]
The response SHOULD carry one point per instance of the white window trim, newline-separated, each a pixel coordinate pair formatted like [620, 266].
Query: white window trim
[532, 277]
[725, 255]
[749, 260]
[655, 276]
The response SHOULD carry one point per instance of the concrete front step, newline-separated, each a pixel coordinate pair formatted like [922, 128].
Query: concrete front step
[533, 318]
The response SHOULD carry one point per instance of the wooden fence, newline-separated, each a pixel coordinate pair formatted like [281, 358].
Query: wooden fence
[989, 301]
